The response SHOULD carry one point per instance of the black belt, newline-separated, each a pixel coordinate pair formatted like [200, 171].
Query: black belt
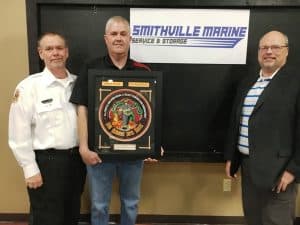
[74, 150]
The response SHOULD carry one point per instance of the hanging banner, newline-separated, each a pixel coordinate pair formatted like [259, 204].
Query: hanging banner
[206, 36]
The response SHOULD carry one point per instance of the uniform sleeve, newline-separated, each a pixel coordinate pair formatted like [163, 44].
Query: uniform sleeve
[19, 131]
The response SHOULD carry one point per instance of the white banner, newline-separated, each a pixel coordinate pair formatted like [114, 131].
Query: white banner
[207, 36]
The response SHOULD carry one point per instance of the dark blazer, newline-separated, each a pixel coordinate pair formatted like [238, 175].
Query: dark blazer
[274, 129]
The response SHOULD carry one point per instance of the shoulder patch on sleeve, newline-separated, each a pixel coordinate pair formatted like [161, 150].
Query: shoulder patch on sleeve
[16, 95]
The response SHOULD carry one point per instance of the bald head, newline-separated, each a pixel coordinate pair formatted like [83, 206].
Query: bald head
[276, 34]
[273, 52]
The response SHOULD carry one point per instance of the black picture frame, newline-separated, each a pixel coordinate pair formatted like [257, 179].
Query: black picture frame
[124, 114]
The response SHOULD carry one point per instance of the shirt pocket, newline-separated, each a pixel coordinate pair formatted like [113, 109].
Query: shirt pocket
[49, 112]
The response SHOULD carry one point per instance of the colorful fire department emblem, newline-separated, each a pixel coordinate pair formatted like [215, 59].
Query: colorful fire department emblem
[125, 115]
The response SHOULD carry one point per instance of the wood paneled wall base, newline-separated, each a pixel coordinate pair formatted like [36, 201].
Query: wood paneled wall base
[151, 219]
[176, 219]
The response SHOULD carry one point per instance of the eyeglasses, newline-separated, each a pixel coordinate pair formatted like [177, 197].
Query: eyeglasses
[274, 48]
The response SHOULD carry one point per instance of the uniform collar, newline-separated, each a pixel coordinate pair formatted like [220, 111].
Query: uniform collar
[49, 78]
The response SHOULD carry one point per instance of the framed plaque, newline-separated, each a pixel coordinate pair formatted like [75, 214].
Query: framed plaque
[124, 113]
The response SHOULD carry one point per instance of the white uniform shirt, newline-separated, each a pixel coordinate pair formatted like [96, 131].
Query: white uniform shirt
[41, 117]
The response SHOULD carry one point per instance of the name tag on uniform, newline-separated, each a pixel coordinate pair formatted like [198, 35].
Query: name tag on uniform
[47, 104]
[47, 100]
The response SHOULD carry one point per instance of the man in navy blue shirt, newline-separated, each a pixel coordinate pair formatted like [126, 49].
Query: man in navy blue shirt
[100, 174]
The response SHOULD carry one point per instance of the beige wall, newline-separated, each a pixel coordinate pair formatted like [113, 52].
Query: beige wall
[13, 67]
[167, 188]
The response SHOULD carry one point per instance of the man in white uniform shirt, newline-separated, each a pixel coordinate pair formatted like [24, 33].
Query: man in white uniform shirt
[43, 137]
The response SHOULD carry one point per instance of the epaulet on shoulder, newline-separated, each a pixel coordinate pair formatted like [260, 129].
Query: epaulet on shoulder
[141, 65]
[35, 75]
[29, 80]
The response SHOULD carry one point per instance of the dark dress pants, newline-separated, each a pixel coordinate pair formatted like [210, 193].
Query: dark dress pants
[266, 207]
[57, 201]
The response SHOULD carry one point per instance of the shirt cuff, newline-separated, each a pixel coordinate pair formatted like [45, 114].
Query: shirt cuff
[31, 170]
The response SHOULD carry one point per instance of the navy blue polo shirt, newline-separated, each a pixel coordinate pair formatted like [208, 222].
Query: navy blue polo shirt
[80, 91]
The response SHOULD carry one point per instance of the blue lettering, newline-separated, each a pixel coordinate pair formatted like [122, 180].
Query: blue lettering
[164, 31]
[207, 31]
[196, 31]
[243, 31]
[136, 29]
[172, 30]
[235, 31]
[211, 31]
[188, 31]
[180, 32]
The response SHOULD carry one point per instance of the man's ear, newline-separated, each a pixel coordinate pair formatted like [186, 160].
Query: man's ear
[105, 38]
[39, 50]
[67, 52]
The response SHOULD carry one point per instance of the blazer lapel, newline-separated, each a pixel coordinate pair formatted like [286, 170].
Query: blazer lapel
[268, 91]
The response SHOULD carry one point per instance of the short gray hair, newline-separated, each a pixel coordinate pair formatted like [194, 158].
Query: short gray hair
[116, 19]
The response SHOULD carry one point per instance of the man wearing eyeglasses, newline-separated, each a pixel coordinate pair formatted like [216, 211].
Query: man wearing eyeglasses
[264, 136]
